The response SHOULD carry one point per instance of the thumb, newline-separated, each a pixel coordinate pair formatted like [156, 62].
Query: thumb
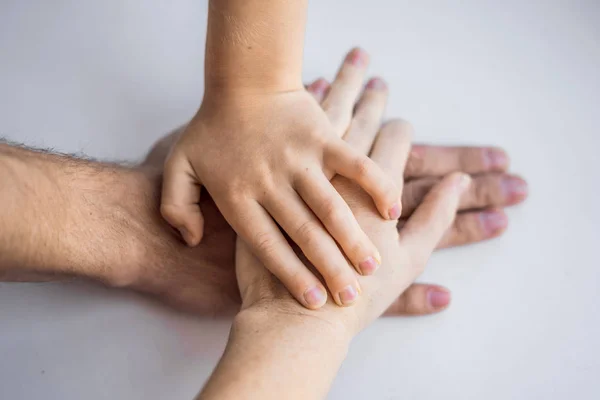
[180, 199]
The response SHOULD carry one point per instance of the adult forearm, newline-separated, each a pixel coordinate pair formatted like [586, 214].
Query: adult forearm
[255, 44]
[286, 356]
[61, 215]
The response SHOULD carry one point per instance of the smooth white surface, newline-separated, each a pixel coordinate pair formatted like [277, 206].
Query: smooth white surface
[107, 78]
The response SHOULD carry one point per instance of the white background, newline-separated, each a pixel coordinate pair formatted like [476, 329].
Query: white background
[107, 78]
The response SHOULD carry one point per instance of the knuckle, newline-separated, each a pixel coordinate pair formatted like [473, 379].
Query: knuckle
[265, 244]
[482, 193]
[337, 277]
[235, 192]
[355, 248]
[308, 233]
[331, 214]
[464, 230]
[362, 166]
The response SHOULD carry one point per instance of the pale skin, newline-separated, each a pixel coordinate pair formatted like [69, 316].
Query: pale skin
[88, 203]
[265, 150]
[277, 349]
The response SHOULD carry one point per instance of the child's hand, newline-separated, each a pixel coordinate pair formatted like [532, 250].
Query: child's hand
[266, 159]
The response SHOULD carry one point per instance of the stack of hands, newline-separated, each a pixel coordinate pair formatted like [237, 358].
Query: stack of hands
[449, 196]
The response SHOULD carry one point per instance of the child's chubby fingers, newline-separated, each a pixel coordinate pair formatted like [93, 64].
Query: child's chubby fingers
[256, 227]
[352, 164]
[180, 196]
[288, 209]
[333, 212]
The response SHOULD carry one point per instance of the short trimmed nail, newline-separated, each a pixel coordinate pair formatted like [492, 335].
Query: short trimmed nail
[315, 297]
[515, 189]
[493, 221]
[438, 298]
[463, 182]
[348, 295]
[496, 158]
[319, 86]
[394, 212]
[368, 266]
[376, 84]
[356, 57]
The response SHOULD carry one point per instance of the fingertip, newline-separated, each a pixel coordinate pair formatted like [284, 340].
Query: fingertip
[369, 265]
[318, 86]
[493, 222]
[376, 83]
[348, 295]
[191, 239]
[438, 298]
[460, 181]
[315, 297]
[395, 212]
[319, 89]
[496, 159]
[357, 57]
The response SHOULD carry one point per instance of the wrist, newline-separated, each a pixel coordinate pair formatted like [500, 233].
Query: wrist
[286, 320]
[280, 347]
[254, 45]
[238, 88]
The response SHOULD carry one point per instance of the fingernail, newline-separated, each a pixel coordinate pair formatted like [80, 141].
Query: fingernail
[463, 182]
[357, 57]
[348, 295]
[394, 212]
[318, 86]
[376, 84]
[315, 297]
[496, 159]
[493, 222]
[438, 297]
[515, 189]
[368, 266]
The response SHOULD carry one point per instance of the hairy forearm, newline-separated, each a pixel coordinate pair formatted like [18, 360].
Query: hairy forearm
[255, 44]
[282, 356]
[66, 216]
